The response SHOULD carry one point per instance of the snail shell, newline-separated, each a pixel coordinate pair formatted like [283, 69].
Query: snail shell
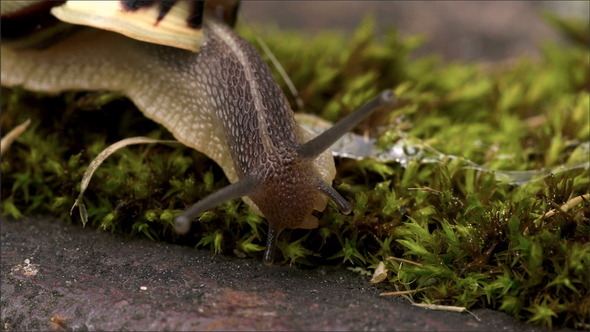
[221, 100]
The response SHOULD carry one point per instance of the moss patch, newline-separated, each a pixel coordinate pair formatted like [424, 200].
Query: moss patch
[477, 241]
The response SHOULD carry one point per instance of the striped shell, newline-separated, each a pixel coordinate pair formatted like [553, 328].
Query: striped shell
[170, 23]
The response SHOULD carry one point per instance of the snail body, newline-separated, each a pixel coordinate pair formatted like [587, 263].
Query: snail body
[221, 101]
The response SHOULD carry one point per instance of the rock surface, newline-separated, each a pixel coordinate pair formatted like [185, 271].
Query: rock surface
[62, 277]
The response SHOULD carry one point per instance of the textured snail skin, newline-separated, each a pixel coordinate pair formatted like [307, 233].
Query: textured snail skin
[222, 101]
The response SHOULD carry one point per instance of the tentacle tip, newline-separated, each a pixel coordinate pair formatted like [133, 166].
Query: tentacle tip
[345, 207]
[182, 224]
[268, 257]
[387, 97]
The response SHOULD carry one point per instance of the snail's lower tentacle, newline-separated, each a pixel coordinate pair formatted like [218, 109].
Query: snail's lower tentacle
[335, 196]
[269, 253]
[243, 187]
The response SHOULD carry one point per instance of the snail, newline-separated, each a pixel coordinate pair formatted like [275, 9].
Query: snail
[185, 68]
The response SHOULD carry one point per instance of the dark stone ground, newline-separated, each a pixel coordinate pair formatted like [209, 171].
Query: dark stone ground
[85, 279]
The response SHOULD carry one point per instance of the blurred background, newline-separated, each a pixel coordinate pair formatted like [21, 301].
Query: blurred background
[456, 30]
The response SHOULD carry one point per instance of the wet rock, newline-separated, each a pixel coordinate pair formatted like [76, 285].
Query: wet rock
[62, 277]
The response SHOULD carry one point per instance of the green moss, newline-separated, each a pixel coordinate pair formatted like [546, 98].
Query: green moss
[477, 241]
